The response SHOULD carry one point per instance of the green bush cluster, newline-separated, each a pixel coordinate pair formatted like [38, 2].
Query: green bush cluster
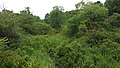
[88, 37]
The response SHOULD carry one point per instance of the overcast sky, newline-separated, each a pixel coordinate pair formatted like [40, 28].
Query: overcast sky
[40, 7]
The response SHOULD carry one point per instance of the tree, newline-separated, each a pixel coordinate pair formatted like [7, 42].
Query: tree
[113, 6]
[27, 20]
[9, 27]
[98, 2]
[26, 10]
[80, 5]
[90, 18]
[95, 12]
[56, 17]
[47, 18]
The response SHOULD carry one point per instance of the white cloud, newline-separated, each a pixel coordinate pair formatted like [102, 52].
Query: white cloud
[40, 7]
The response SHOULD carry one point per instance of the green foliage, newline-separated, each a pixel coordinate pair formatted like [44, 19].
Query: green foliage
[27, 20]
[40, 28]
[56, 17]
[47, 18]
[45, 46]
[113, 21]
[113, 6]
[73, 30]
[9, 58]
[2, 44]
[95, 12]
[83, 38]
[98, 2]
[26, 11]
[43, 49]
[9, 27]
[80, 5]
[88, 18]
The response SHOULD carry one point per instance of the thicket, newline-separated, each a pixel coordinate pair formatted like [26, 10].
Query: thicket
[88, 37]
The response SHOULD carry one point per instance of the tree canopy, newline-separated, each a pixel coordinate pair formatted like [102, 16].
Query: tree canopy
[113, 6]
[87, 37]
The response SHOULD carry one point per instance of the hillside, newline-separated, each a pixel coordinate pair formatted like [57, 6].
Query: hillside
[88, 37]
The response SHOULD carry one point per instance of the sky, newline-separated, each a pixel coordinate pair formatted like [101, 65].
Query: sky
[40, 7]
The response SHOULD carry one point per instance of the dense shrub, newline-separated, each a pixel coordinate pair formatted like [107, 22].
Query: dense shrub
[10, 58]
[38, 28]
[83, 38]
[113, 21]
[9, 27]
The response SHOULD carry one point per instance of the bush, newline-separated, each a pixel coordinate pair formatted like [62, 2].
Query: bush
[10, 58]
[39, 48]
[46, 46]
[113, 21]
[9, 27]
[38, 28]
